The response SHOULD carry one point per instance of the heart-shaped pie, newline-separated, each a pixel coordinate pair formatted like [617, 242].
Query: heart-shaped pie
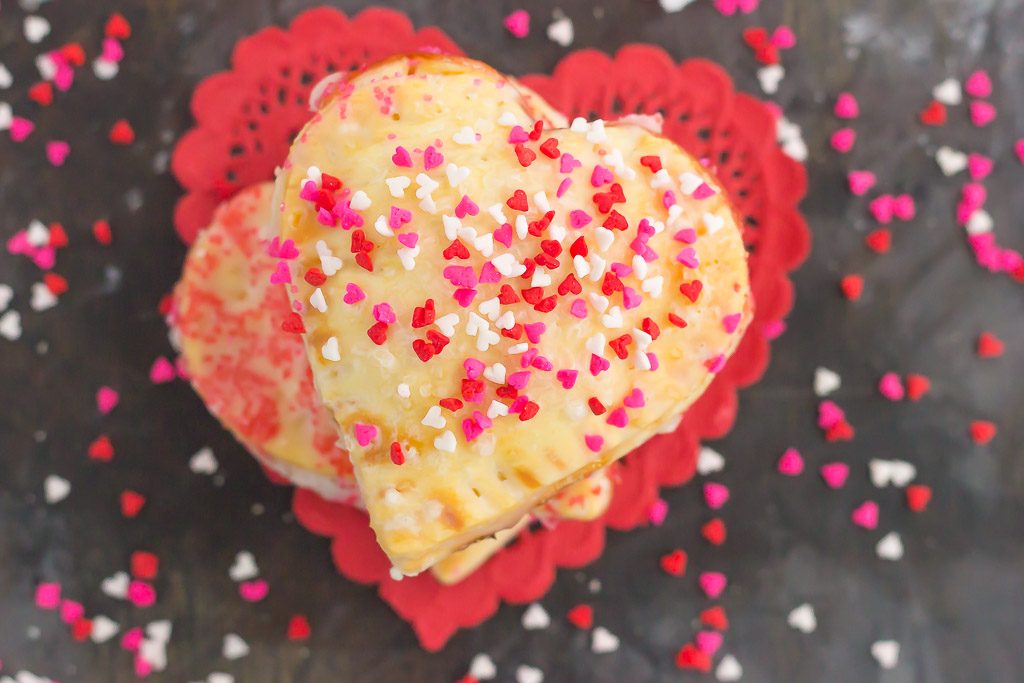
[494, 309]
[255, 378]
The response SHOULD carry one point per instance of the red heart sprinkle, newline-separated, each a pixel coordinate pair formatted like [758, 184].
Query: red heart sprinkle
[651, 328]
[528, 411]
[293, 324]
[538, 128]
[525, 155]
[596, 406]
[55, 283]
[518, 201]
[689, 657]
[455, 250]
[298, 628]
[581, 616]
[507, 295]
[117, 27]
[452, 404]
[714, 617]
[840, 431]
[917, 386]
[315, 276]
[691, 290]
[122, 133]
[879, 241]
[989, 345]
[74, 53]
[549, 148]
[852, 286]
[570, 284]
[81, 629]
[424, 350]
[378, 333]
[652, 162]
[363, 259]
[674, 563]
[934, 114]
[41, 93]
[514, 332]
[676, 320]
[982, 431]
[100, 231]
[423, 315]
[547, 304]
[619, 345]
[58, 238]
[101, 449]
[714, 532]
[144, 565]
[397, 456]
[131, 503]
[755, 36]
[918, 496]
[615, 221]
[579, 247]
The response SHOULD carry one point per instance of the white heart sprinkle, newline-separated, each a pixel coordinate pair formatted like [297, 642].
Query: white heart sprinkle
[219, 677]
[403, 390]
[561, 31]
[36, 28]
[6, 116]
[950, 160]
[802, 619]
[886, 653]
[486, 339]
[729, 670]
[446, 442]
[980, 222]
[10, 325]
[596, 131]
[557, 232]
[674, 5]
[497, 213]
[446, 324]
[159, 631]
[408, 256]
[508, 119]
[948, 92]
[382, 227]
[234, 647]
[42, 297]
[37, 234]
[540, 279]
[595, 343]
[605, 238]
[244, 567]
[890, 547]
[602, 640]
[709, 461]
[203, 461]
[360, 200]
[6, 79]
[507, 265]
[465, 136]
[653, 285]
[613, 318]
[825, 381]
[597, 266]
[397, 185]
[713, 223]
[497, 409]
[154, 652]
[103, 628]
[56, 489]
[330, 350]
[456, 174]
[426, 185]
[482, 668]
[484, 244]
[516, 349]
[540, 200]
[506, 321]
[535, 618]
[490, 307]
[495, 373]
[581, 265]
[769, 77]
[898, 473]
[6, 294]
[115, 586]
[318, 301]
[329, 263]
[689, 182]
[105, 69]
[434, 418]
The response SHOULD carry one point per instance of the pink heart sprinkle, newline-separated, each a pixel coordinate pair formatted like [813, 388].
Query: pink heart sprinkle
[657, 512]
[474, 368]
[703, 191]
[688, 257]
[712, 583]
[1018, 149]
[668, 199]
[978, 84]
[866, 515]
[489, 274]
[365, 433]
[466, 207]
[21, 128]
[432, 158]
[578, 309]
[567, 378]
[974, 195]
[835, 474]
[518, 23]
[578, 218]
[829, 415]
[460, 276]
[288, 250]
[715, 363]
[48, 595]
[563, 187]
[71, 611]
[517, 135]
[598, 364]
[281, 274]
[601, 176]
[325, 217]
[783, 38]
[882, 208]
[383, 313]
[141, 594]
[791, 463]
[112, 50]
[860, 182]
[903, 207]
[162, 371]
[715, 495]
[594, 442]
[64, 77]
[979, 166]
[686, 236]
[843, 139]
[309, 191]
[982, 113]
[518, 380]
[353, 293]
[708, 642]
[731, 322]
[635, 399]
[131, 639]
[142, 667]
[568, 163]
[891, 386]
[107, 399]
[504, 235]
[464, 296]
[409, 239]
[57, 152]
[846, 106]
[631, 298]
[471, 430]
[401, 157]
[253, 591]
[399, 217]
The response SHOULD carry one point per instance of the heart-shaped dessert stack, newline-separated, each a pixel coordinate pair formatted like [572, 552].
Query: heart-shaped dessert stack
[494, 309]
[254, 376]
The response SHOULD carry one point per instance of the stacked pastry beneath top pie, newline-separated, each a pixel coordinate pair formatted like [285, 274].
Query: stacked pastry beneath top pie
[493, 305]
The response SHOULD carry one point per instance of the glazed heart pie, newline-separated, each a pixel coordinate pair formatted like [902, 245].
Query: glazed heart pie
[255, 379]
[494, 308]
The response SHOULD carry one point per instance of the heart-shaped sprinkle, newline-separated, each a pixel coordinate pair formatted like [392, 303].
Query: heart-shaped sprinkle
[791, 463]
[978, 84]
[107, 399]
[708, 642]
[20, 128]
[715, 617]
[950, 160]
[116, 585]
[518, 23]
[603, 641]
[860, 182]
[843, 139]
[865, 515]
[253, 591]
[712, 583]
[101, 449]
[709, 461]
[529, 674]
[234, 647]
[131, 502]
[917, 386]
[835, 474]
[581, 616]
[879, 240]
[891, 386]
[482, 668]
[982, 431]
[886, 653]
[989, 345]
[982, 113]
[535, 618]
[890, 547]
[55, 489]
[203, 461]
[728, 670]
[803, 619]
[298, 628]
[846, 106]
[243, 568]
[918, 496]
[688, 656]
[714, 531]
[934, 114]
[948, 92]
[979, 166]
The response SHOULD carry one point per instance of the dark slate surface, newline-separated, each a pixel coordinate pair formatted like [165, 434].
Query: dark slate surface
[955, 602]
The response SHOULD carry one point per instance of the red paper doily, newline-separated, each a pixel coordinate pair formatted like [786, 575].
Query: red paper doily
[245, 119]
